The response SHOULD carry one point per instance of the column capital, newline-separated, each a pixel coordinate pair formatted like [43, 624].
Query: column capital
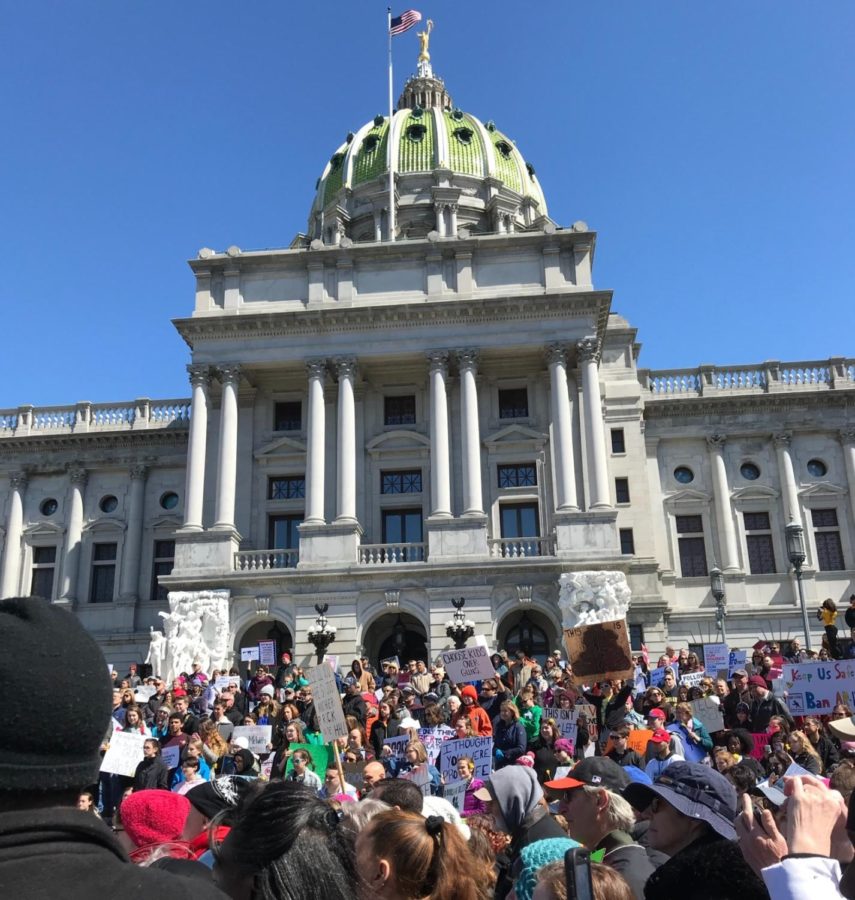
[782, 438]
[18, 480]
[345, 367]
[77, 475]
[716, 441]
[847, 436]
[555, 353]
[229, 373]
[437, 361]
[467, 358]
[200, 374]
[138, 471]
[316, 368]
[588, 350]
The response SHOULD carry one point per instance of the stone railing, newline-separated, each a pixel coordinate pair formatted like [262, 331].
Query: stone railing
[391, 554]
[517, 548]
[265, 560]
[83, 418]
[760, 378]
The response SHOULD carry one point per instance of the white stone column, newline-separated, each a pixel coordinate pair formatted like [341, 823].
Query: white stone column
[562, 432]
[73, 537]
[439, 211]
[227, 459]
[200, 379]
[588, 355]
[14, 528]
[847, 439]
[440, 468]
[346, 461]
[786, 472]
[132, 546]
[470, 433]
[724, 511]
[316, 369]
[452, 231]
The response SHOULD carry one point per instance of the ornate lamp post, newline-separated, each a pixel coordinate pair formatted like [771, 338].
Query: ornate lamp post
[458, 627]
[717, 588]
[321, 634]
[796, 552]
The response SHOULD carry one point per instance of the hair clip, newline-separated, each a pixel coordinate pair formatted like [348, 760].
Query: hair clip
[434, 824]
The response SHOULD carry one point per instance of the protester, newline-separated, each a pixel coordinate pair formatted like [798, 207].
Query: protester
[663, 755]
[152, 772]
[827, 614]
[621, 753]
[509, 736]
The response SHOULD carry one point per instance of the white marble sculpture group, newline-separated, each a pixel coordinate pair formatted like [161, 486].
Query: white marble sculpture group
[587, 598]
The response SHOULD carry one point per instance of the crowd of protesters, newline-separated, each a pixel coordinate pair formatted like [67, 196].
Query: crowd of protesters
[755, 807]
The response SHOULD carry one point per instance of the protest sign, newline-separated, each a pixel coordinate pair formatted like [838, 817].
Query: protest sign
[561, 772]
[692, 679]
[599, 652]
[391, 661]
[657, 676]
[479, 749]
[760, 743]
[455, 793]
[815, 688]
[708, 713]
[234, 681]
[637, 740]
[397, 746]
[716, 657]
[433, 738]
[736, 661]
[248, 654]
[258, 736]
[171, 756]
[124, 754]
[353, 773]
[319, 754]
[468, 664]
[266, 768]
[327, 702]
[223, 682]
[331, 659]
[267, 653]
[565, 720]
[144, 693]
[420, 777]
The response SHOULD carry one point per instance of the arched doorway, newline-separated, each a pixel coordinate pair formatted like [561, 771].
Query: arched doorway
[267, 630]
[528, 631]
[396, 634]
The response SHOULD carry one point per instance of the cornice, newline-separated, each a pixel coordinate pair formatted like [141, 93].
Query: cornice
[99, 441]
[740, 405]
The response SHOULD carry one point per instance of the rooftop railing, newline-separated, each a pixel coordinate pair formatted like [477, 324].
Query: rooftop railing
[84, 418]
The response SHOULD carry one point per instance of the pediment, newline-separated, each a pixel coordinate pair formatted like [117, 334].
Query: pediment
[515, 434]
[102, 526]
[43, 529]
[822, 488]
[284, 446]
[166, 522]
[400, 439]
[687, 497]
[755, 492]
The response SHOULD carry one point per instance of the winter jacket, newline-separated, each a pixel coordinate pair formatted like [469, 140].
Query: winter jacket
[379, 732]
[151, 774]
[628, 858]
[509, 742]
[763, 710]
[530, 721]
[472, 806]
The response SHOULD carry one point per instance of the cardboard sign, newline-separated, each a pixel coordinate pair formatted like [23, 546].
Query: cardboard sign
[222, 683]
[267, 653]
[248, 654]
[480, 749]
[637, 740]
[327, 702]
[455, 793]
[708, 713]
[565, 720]
[760, 743]
[692, 679]
[433, 739]
[318, 753]
[420, 777]
[398, 745]
[469, 664]
[171, 756]
[124, 754]
[599, 652]
[258, 736]
[815, 688]
[716, 657]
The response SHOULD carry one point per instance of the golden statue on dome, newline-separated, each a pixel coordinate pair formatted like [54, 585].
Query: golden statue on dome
[424, 67]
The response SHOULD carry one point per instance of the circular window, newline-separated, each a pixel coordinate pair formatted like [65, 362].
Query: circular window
[464, 135]
[169, 500]
[417, 112]
[416, 132]
[108, 504]
[457, 115]
[504, 148]
[817, 468]
[684, 475]
[48, 507]
[749, 471]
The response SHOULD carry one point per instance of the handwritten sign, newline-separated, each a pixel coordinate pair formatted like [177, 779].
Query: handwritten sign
[258, 736]
[566, 721]
[692, 679]
[716, 657]
[708, 713]
[599, 652]
[468, 664]
[761, 741]
[455, 793]
[248, 654]
[267, 653]
[815, 688]
[433, 739]
[171, 756]
[124, 754]
[479, 749]
[222, 683]
[327, 702]
[144, 693]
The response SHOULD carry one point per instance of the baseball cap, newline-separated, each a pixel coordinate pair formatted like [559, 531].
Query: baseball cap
[758, 680]
[741, 672]
[661, 736]
[657, 714]
[596, 771]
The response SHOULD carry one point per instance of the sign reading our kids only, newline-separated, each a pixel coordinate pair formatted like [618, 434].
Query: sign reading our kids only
[815, 688]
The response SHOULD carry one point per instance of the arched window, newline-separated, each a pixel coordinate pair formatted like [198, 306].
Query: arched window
[525, 635]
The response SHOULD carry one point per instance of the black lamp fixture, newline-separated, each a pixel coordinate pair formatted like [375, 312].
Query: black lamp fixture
[458, 627]
[796, 553]
[717, 589]
[321, 634]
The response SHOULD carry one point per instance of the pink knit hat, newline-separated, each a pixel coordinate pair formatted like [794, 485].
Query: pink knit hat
[154, 817]
[527, 759]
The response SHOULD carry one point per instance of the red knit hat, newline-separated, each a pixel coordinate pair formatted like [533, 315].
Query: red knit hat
[154, 817]
[179, 692]
[469, 691]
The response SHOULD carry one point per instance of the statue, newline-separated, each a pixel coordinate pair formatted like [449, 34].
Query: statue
[156, 651]
[587, 598]
[424, 67]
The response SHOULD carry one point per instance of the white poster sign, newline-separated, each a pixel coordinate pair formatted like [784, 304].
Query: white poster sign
[267, 653]
[331, 659]
[468, 664]
[327, 702]
[222, 683]
[479, 749]
[692, 679]
[248, 654]
[420, 777]
[433, 739]
[124, 754]
[171, 756]
[736, 661]
[455, 793]
[144, 693]
[716, 657]
[397, 746]
[814, 689]
[708, 713]
[258, 736]
[566, 720]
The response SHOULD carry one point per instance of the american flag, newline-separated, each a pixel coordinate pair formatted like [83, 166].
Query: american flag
[404, 22]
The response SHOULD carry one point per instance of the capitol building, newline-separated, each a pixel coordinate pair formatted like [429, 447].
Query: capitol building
[398, 411]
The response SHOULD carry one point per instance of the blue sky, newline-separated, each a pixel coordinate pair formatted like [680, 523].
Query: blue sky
[709, 144]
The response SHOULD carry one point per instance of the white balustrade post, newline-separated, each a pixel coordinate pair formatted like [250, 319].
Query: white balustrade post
[346, 460]
[316, 369]
[470, 433]
[73, 537]
[14, 529]
[200, 379]
[588, 354]
[847, 439]
[724, 510]
[132, 547]
[227, 459]
[562, 433]
[786, 473]
[440, 483]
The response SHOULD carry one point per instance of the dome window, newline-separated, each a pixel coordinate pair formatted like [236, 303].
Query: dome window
[378, 121]
[349, 137]
[530, 169]
[416, 132]
[369, 145]
[417, 112]
[335, 161]
[490, 126]
[457, 115]
[464, 135]
[504, 148]
[48, 507]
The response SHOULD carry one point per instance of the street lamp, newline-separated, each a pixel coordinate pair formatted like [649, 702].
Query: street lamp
[796, 553]
[717, 588]
[321, 634]
[458, 627]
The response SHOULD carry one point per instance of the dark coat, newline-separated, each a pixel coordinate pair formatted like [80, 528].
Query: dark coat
[56, 851]
[151, 774]
[632, 860]
[511, 739]
[537, 827]
[379, 732]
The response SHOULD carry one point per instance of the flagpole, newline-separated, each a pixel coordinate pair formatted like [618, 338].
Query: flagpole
[391, 217]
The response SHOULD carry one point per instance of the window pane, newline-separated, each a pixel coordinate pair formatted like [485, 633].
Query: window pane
[283, 532]
[164, 549]
[103, 578]
[693, 557]
[42, 583]
[761, 553]
[402, 526]
[618, 442]
[627, 544]
[519, 520]
[44, 555]
[824, 518]
[758, 521]
[829, 552]
[622, 490]
[522, 475]
[513, 403]
[399, 410]
[409, 482]
[636, 636]
[103, 552]
[291, 487]
[689, 524]
[288, 416]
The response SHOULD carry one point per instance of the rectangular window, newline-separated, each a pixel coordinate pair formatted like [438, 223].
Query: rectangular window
[288, 415]
[404, 526]
[286, 487]
[513, 403]
[164, 559]
[521, 522]
[758, 540]
[409, 482]
[522, 475]
[621, 490]
[283, 532]
[103, 581]
[690, 543]
[618, 442]
[399, 410]
[44, 569]
[627, 543]
[636, 636]
[826, 533]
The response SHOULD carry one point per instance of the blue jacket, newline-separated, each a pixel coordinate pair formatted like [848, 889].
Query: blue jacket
[509, 741]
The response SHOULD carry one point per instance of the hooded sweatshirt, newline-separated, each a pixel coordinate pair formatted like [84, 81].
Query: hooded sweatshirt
[481, 724]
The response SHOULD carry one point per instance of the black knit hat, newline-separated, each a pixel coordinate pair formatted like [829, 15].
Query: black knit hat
[44, 649]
